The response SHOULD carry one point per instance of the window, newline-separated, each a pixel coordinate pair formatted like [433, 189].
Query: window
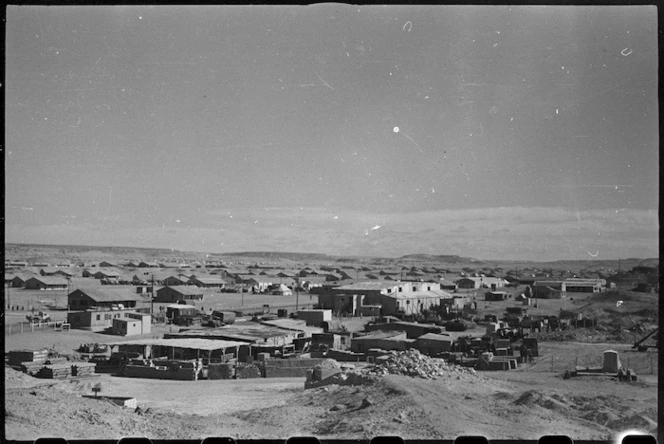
[99, 317]
[107, 317]
[429, 288]
[400, 289]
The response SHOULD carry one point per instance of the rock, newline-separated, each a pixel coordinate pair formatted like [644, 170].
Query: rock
[366, 402]
[337, 407]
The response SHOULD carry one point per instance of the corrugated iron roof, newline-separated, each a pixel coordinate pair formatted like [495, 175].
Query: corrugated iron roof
[184, 289]
[371, 285]
[209, 280]
[422, 294]
[106, 294]
[189, 343]
[50, 280]
[436, 337]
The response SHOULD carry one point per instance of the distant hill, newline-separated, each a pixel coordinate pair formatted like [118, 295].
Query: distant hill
[449, 259]
[83, 253]
[276, 255]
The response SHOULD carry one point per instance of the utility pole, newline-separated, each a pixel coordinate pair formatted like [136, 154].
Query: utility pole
[297, 292]
[152, 297]
[68, 282]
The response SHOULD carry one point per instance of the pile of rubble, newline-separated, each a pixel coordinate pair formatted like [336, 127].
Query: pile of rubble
[413, 363]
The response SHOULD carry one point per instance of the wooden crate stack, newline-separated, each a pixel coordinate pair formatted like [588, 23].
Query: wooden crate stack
[18, 357]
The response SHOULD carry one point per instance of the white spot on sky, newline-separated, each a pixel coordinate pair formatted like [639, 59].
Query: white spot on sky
[426, 97]
[255, 221]
[177, 220]
[335, 217]
[433, 190]
[140, 18]
[395, 129]
[556, 110]
[625, 52]
[375, 227]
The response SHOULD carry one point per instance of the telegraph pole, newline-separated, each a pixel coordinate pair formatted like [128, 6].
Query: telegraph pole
[152, 297]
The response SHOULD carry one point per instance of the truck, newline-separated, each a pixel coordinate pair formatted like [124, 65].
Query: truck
[38, 318]
[219, 318]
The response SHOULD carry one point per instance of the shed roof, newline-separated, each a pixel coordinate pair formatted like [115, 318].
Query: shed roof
[190, 343]
[436, 337]
[422, 294]
[184, 289]
[104, 294]
[209, 280]
[50, 280]
[371, 285]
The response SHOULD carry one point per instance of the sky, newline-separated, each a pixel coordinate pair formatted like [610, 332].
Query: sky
[526, 133]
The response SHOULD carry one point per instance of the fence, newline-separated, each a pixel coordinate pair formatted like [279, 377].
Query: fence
[641, 363]
[273, 308]
[27, 327]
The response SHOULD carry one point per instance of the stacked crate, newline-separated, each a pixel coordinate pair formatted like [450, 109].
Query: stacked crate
[18, 357]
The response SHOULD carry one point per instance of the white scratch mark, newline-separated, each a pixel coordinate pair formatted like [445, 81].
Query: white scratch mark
[625, 52]
[416, 144]
[593, 255]
[324, 82]
[408, 25]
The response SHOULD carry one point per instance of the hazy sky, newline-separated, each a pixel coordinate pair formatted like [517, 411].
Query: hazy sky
[485, 131]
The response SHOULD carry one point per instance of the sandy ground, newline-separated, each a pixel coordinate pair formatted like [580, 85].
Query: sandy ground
[498, 405]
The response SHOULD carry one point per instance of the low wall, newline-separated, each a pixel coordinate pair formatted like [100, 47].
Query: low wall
[247, 372]
[347, 356]
[289, 368]
[221, 371]
[169, 370]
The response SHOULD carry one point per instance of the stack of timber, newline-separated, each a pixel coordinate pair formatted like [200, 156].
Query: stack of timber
[54, 371]
[83, 368]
